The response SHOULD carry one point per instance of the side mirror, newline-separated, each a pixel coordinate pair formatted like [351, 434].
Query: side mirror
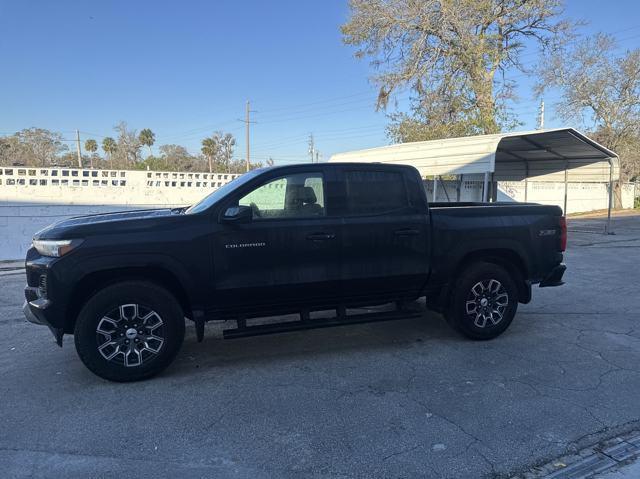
[237, 214]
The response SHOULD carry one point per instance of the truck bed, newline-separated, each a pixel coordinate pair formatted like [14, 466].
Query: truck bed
[458, 229]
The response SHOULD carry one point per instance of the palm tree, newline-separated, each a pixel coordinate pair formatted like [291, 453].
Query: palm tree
[147, 138]
[91, 146]
[109, 146]
[210, 149]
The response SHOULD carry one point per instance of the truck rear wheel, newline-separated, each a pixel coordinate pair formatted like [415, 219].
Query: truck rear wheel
[483, 302]
[129, 331]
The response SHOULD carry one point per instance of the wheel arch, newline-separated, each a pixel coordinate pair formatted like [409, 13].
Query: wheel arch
[93, 282]
[507, 258]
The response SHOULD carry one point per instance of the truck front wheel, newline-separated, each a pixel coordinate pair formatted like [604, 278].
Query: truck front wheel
[129, 331]
[483, 302]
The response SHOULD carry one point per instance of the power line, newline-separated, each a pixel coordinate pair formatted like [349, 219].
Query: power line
[303, 136]
[196, 131]
[325, 101]
[365, 101]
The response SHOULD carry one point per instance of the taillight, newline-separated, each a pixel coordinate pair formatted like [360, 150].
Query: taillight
[563, 233]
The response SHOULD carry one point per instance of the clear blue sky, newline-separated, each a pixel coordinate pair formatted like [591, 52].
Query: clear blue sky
[186, 68]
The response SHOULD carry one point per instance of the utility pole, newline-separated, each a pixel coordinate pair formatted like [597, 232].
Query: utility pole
[312, 147]
[246, 120]
[541, 115]
[78, 148]
[317, 156]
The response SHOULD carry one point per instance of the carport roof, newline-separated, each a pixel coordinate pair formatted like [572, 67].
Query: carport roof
[541, 154]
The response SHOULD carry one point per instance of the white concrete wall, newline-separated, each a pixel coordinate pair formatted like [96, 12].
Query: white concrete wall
[581, 197]
[105, 187]
[33, 198]
[470, 190]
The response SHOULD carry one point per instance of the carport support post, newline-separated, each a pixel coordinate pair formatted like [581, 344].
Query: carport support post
[526, 180]
[608, 226]
[435, 188]
[485, 187]
[566, 183]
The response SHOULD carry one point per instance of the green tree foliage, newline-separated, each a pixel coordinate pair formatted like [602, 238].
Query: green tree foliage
[38, 147]
[600, 89]
[177, 158]
[109, 146]
[147, 138]
[218, 150]
[452, 55]
[91, 146]
[210, 149]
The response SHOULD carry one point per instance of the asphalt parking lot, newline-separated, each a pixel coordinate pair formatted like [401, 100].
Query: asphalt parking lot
[409, 398]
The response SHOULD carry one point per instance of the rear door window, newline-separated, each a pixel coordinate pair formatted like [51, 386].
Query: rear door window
[374, 192]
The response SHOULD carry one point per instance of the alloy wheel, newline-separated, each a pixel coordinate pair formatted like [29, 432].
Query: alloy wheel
[130, 335]
[487, 302]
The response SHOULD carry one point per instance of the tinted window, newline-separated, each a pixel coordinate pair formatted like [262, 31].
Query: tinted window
[375, 192]
[299, 195]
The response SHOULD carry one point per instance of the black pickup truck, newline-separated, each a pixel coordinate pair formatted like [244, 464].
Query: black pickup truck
[292, 239]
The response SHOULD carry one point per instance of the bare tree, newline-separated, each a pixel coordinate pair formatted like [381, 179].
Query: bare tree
[128, 146]
[451, 54]
[11, 151]
[226, 142]
[601, 90]
[39, 147]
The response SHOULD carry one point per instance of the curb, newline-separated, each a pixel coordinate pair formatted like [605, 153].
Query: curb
[594, 460]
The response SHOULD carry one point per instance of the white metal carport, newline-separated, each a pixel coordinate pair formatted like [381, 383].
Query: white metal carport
[562, 154]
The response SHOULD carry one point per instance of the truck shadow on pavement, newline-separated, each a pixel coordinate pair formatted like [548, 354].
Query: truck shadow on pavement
[324, 343]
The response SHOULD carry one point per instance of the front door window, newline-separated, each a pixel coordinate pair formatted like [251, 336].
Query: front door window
[298, 195]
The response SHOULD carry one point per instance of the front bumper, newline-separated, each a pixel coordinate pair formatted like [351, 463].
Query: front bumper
[554, 278]
[35, 309]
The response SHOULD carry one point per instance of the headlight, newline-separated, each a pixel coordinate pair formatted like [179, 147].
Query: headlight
[55, 248]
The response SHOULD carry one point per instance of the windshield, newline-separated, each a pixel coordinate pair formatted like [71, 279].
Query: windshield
[221, 192]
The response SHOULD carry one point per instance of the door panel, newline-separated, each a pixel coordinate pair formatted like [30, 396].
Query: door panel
[385, 236]
[289, 254]
[384, 255]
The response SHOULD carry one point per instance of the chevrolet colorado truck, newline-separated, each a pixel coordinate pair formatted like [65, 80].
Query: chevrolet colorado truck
[291, 239]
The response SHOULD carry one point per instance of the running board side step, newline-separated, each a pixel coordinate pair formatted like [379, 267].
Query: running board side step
[341, 319]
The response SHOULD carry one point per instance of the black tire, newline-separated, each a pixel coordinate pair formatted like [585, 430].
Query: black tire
[161, 331]
[488, 314]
